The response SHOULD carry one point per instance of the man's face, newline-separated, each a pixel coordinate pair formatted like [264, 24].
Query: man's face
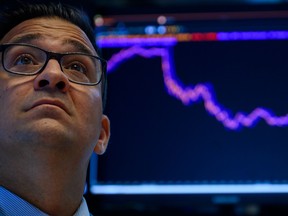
[46, 113]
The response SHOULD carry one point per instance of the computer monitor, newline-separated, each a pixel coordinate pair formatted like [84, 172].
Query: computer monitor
[198, 108]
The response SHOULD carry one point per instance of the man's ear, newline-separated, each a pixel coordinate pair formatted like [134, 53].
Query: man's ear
[103, 140]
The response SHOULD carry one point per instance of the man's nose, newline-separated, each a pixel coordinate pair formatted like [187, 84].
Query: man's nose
[52, 78]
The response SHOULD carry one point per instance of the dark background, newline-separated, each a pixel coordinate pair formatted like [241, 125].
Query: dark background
[109, 7]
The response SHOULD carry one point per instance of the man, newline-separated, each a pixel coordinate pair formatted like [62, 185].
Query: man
[52, 82]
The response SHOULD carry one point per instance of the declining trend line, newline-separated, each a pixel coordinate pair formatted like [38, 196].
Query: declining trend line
[191, 94]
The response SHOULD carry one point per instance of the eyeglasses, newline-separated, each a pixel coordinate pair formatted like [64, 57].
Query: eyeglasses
[26, 59]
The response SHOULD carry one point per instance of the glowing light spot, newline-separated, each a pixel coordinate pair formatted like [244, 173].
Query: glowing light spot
[161, 20]
[98, 20]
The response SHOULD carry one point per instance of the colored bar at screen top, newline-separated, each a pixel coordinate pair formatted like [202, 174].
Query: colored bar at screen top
[172, 39]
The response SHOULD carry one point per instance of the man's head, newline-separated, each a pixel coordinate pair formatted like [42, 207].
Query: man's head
[46, 117]
[17, 13]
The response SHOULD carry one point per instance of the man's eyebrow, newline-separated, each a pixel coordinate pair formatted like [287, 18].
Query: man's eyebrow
[26, 38]
[79, 47]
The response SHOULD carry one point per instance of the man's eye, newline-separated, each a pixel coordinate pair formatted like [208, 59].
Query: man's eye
[77, 67]
[24, 60]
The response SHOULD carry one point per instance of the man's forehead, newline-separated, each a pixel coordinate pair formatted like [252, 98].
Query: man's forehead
[57, 29]
[34, 37]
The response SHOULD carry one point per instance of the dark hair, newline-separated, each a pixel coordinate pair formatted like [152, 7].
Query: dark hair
[13, 14]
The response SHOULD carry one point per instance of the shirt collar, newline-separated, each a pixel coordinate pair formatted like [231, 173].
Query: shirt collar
[11, 204]
[83, 209]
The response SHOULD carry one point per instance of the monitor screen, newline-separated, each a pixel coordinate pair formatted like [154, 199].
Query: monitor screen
[197, 104]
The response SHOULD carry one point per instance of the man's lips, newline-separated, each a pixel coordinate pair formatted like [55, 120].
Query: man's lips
[52, 102]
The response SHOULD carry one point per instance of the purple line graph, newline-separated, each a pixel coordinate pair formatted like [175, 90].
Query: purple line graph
[194, 93]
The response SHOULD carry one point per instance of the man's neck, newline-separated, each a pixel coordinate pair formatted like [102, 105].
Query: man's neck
[56, 189]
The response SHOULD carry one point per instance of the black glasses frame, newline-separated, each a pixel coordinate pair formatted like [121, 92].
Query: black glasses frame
[56, 56]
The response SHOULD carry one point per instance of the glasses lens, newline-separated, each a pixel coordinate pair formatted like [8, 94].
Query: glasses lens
[82, 68]
[23, 59]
